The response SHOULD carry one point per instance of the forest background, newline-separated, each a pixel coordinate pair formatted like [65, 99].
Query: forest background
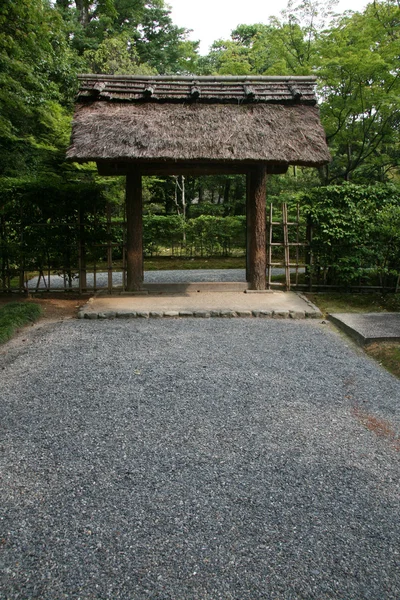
[356, 56]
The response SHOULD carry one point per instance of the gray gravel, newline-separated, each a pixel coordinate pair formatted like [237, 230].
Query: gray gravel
[190, 275]
[197, 459]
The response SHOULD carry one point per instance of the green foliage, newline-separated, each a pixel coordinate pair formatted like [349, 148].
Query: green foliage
[356, 59]
[163, 45]
[359, 69]
[116, 56]
[205, 235]
[127, 36]
[352, 236]
[15, 315]
[39, 223]
[208, 235]
[161, 231]
[37, 82]
[332, 302]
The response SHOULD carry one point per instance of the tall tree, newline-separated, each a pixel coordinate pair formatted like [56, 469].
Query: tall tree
[359, 69]
[37, 77]
[356, 57]
[146, 27]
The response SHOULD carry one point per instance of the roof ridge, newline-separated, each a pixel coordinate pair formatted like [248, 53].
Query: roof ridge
[200, 78]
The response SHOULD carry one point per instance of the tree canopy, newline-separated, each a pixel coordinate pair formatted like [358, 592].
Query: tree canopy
[44, 44]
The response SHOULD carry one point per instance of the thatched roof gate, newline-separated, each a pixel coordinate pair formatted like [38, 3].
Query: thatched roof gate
[139, 125]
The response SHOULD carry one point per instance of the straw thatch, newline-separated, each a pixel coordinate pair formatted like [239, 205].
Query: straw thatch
[206, 89]
[275, 121]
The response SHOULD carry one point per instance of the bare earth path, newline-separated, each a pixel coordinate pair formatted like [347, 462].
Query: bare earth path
[197, 459]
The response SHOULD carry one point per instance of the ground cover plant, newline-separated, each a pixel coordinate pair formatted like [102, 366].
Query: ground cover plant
[15, 315]
[355, 303]
[166, 263]
[387, 354]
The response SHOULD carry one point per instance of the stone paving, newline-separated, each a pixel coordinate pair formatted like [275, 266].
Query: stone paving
[207, 304]
[366, 328]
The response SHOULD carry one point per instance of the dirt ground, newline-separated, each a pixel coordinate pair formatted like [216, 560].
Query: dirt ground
[55, 308]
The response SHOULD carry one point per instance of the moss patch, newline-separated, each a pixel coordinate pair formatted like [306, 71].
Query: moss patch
[355, 303]
[387, 354]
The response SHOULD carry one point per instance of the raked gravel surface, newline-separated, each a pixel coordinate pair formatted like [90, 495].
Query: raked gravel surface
[168, 276]
[197, 459]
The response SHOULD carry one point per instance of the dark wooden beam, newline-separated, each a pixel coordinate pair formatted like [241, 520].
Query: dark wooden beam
[195, 168]
[134, 229]
[256, 245]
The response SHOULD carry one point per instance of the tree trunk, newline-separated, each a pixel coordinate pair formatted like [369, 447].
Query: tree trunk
[82, 7]
[256, 224]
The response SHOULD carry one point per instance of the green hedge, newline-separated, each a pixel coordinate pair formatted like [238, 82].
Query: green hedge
[206, 235]
[356, 233]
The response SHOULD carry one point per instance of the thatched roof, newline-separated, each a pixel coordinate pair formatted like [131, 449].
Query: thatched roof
[227, 89]
[272, 120]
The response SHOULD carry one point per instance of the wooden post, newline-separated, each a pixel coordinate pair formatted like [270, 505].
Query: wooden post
[248, 227]
[82, 252]
[109, 251]
[286, 248]
[256, 242]
[134, 232]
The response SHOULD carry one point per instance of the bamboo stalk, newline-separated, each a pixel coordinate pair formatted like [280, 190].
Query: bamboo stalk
[269, 248]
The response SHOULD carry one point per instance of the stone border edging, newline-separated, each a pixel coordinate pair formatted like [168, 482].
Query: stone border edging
[202, 314]
[310, 304]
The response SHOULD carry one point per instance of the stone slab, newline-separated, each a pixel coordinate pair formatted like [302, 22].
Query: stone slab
[202, 304]
[366, 328]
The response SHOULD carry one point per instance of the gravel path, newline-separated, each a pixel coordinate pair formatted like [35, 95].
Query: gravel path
[196, 460]
[185, 276]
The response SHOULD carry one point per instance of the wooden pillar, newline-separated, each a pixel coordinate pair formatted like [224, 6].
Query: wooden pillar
[248, 227]
[134, 233]
[256, 225]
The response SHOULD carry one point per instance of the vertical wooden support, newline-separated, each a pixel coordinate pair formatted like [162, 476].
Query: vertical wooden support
[23, 276]
[256, 242]
[81, 252]
[286, 245]
[296, 280]
[134, 232]
[309, 274]
[109, 251]
[248, 227]
[124, 251]
[95, 254]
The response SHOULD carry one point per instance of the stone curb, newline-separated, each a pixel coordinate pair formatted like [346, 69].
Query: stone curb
[204, 314]
[314, 312]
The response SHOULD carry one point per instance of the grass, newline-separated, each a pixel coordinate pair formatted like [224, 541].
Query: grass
[15, 315]
[162, 263]
[387, 354]
[357, 303]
